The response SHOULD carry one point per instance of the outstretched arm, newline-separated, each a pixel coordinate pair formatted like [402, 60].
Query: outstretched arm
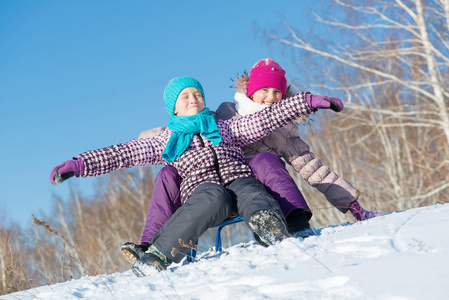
[251, 128]
[142, 152]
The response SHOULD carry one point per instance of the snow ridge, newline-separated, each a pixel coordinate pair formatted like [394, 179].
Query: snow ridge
[402, 255]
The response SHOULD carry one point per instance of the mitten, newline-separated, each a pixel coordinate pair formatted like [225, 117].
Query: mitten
[66, 170]
[316, 102]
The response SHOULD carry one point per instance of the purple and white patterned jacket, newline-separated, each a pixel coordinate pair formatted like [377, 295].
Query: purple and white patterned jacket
[201, 162]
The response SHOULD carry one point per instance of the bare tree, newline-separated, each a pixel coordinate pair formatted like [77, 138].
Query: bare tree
[391, 59]
[14, 274]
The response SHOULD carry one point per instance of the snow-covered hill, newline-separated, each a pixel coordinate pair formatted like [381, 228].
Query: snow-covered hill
[403, 255]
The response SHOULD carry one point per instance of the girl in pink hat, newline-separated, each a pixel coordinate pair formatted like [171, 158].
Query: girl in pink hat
[265, 85]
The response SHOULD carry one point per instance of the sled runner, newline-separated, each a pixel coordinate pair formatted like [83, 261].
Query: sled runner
[233, 220]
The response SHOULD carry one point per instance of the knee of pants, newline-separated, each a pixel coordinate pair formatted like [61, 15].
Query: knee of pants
[168, 175]
[265, 161]
[213, 197]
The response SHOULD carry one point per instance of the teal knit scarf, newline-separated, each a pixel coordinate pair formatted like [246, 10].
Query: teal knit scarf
[185, 128]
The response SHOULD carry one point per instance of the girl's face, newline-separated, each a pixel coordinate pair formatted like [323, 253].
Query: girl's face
[190, 102]
[267, 96]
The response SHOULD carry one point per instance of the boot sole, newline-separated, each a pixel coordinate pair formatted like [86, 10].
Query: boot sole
[129, 256]
[269, 233]
[275, 235]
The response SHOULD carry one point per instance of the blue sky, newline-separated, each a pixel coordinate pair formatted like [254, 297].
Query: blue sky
[82, 75]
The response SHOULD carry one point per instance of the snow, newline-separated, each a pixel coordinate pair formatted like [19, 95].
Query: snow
[403, 255]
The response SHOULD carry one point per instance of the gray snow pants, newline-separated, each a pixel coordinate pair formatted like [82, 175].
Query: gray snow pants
[209, 205]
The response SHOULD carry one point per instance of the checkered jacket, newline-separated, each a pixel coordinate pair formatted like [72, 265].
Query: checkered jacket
[201, 162]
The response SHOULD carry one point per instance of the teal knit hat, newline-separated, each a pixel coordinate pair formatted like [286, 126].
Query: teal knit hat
[174, 87]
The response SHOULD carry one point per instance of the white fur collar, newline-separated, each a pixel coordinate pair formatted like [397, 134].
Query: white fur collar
[245, 106]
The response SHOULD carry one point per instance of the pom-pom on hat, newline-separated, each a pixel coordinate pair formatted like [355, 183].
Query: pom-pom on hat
[174, 88]
[266, 73]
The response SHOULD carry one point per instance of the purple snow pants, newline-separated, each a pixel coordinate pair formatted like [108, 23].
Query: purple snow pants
[268, 168]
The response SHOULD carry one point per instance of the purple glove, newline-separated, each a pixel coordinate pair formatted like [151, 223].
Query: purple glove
[316, 102]
[66, 170]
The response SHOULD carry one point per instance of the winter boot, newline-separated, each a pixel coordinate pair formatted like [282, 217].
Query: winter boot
[152, 261]
[268, 227]
[298, 223]
[133, 252]
[360, 213]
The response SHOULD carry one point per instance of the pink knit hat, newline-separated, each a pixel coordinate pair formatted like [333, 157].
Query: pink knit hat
[266, 73]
